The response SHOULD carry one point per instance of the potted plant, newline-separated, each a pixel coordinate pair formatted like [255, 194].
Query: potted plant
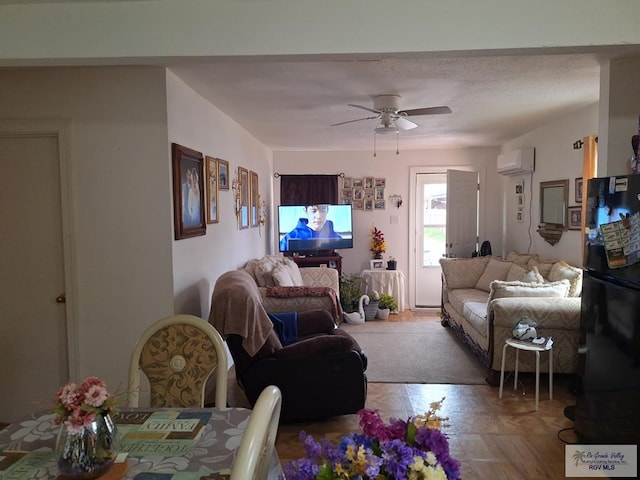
[349, 292]
[378, 245]
[392, 263]
[386, 305]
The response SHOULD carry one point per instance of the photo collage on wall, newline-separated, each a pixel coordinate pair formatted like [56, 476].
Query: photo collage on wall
[365, 193]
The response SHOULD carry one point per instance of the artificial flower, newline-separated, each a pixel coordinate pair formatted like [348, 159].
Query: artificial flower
[412, 449]
[378, 245]
[78, 405]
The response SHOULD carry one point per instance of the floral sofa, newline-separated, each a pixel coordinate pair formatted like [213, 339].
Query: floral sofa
[284, 287]
[484, 297]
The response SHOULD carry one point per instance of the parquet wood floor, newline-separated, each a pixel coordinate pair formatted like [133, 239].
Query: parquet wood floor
[492, 438]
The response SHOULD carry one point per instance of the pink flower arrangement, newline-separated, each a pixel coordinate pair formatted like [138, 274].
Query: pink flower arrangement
[78, 405]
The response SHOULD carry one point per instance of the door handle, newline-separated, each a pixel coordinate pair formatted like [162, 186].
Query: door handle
[62, 298]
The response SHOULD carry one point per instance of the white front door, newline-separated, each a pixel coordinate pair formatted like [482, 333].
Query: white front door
[462, 213]
[33, 329]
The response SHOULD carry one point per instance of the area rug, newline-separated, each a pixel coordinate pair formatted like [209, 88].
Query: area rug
[415, 352]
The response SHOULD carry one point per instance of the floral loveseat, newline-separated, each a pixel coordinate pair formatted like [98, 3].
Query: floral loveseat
[484, 297]
[286, 288]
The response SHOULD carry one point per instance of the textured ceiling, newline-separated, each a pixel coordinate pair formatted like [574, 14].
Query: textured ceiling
[291, 105]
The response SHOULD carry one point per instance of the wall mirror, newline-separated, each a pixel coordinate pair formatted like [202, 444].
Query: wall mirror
[554, 201]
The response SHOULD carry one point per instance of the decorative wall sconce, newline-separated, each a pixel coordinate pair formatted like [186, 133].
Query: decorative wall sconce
[237, 205]
[262, 212]
[396, 200]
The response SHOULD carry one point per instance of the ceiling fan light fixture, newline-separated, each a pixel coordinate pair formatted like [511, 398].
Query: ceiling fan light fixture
[387, 129]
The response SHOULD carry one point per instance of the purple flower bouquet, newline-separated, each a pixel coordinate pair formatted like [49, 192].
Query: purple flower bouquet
[412, 449]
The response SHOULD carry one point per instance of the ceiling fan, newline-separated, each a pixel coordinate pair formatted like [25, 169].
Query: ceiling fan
[391, 117]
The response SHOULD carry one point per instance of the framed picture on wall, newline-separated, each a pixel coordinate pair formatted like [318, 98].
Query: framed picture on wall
[244, 187]
[188, 192]
[253, 181]
[578, 189]
[368, 182]
[212, 189]
[223, 174]
[575, 218]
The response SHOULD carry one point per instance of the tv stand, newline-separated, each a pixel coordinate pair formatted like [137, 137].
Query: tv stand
[329, 261]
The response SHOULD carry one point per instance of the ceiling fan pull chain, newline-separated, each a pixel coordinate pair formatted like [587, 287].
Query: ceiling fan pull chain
[397, 142]
[374, 143]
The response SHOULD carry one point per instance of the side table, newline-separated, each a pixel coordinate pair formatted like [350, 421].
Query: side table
[390, 282]
[529, 347]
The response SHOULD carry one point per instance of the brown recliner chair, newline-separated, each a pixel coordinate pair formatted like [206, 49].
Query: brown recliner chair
[320, 375]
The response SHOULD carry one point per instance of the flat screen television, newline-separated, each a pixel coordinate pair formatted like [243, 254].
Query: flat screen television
[314, 230]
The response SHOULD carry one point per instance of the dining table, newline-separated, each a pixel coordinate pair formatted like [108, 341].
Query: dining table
[204, 450]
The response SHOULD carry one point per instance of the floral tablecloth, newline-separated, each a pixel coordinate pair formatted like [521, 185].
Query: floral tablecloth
[211, 451]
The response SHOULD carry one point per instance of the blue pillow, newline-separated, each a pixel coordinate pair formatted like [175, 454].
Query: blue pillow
[286, 326]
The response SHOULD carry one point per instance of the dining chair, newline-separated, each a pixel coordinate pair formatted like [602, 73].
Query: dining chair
[178, 354]
[257, 446]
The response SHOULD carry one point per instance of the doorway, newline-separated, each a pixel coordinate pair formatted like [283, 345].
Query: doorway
[431, 222]
[444, 220]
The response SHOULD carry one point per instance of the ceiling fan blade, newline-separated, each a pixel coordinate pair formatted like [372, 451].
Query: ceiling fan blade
[364, 108]
[405, 124]
[351, 121]
[425, 111]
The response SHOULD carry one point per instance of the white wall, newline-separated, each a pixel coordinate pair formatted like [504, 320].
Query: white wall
[395, 169]
[198, 261]
[119, 172]
[619, 115]
[556, 159]
[128, 269]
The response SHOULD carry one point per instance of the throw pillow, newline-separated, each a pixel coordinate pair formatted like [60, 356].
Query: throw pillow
[282, 277]
[520, 258]
[563, 271]
[294, 272]
[532, 276]
[496, 270]
[462, 272]
[501, 289]
[544, 266]
[516, 272]
[264, 271]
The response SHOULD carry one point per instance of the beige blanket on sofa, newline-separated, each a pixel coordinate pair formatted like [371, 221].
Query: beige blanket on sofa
[236, 308]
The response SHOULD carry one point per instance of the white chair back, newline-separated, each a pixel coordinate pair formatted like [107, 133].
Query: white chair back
[178, 354]
[256, 451]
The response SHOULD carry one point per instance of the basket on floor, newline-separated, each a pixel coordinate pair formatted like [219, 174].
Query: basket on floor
[371, 310]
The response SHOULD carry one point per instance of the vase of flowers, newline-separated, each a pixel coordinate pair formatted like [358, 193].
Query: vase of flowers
[378, 245]
[87, 443]
[412, 449]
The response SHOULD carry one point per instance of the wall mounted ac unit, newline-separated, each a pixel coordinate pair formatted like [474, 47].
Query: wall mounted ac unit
[516, 162]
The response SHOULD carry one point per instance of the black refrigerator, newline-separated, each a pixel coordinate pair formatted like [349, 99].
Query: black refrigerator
[607, 407]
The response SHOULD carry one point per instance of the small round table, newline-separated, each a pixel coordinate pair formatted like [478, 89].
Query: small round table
[385, 281]
[530, 347]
